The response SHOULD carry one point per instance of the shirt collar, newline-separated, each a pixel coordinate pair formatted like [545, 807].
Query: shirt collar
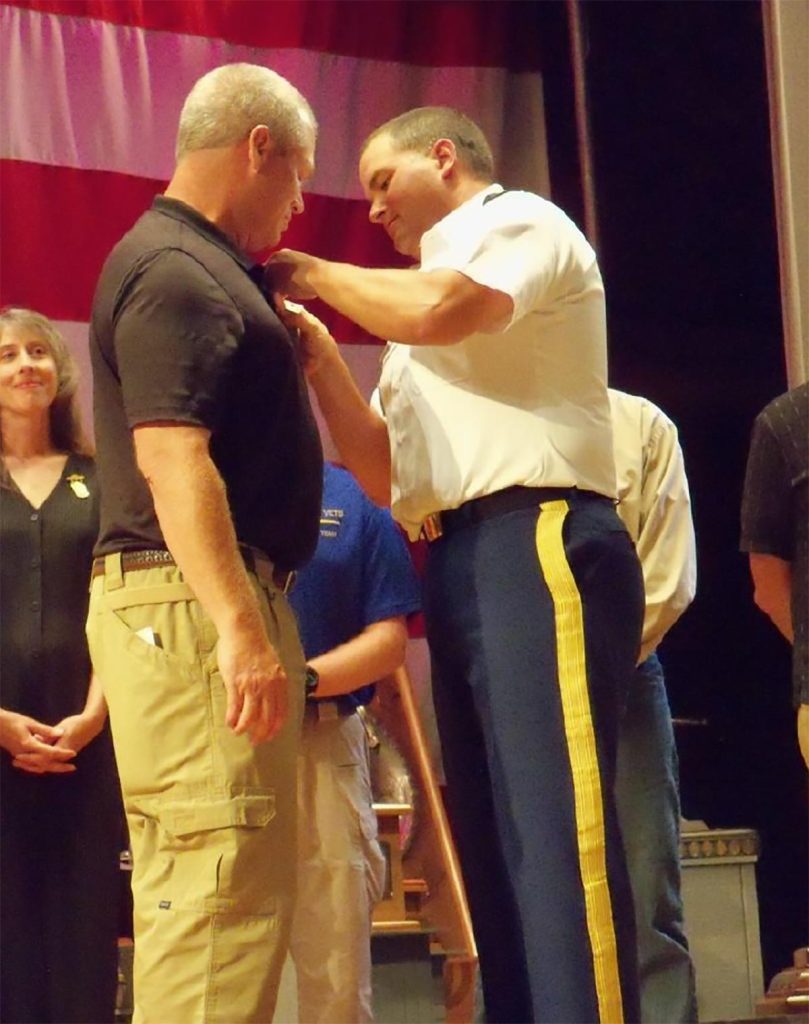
[186, 214]
[435, 236]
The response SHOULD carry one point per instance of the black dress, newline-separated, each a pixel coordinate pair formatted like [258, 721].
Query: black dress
[60, 835]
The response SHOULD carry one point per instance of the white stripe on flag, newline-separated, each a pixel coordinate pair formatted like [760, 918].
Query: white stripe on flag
[84, 93]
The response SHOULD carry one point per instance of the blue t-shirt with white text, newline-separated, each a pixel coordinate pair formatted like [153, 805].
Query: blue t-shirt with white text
[361, 571]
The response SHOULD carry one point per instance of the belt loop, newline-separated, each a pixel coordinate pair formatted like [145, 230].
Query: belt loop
[113, 571]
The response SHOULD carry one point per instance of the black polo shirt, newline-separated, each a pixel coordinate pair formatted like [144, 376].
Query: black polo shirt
[182, 333]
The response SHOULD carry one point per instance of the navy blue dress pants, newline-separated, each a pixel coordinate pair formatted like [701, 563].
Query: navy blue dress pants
[534, 620]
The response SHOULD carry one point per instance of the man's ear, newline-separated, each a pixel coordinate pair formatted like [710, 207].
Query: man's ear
[259, 146]
[446, 156]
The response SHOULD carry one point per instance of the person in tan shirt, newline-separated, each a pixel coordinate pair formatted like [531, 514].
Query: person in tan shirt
[655, 505]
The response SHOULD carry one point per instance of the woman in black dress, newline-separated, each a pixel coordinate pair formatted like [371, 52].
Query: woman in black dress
[60, 819]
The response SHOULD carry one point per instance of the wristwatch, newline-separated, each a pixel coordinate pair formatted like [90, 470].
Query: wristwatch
[311, 679]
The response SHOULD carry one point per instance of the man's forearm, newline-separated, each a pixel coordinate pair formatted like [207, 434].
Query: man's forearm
[666, 543]
[772, 580]
[366, 658]
[437, 307]
[392, 304]
[361, 436]
[95, 706]
[191, 507]
[669, 578]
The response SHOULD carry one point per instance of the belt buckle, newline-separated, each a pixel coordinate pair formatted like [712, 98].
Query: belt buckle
[431, 528]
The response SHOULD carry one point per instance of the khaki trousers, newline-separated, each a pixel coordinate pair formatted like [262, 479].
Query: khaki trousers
[341, 871]
[211, 818]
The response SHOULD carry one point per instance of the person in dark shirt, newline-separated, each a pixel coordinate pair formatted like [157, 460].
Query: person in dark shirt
[775, 531]
[60, 813]
[210, 466]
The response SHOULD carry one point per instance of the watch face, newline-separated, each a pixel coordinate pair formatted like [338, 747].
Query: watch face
[311, 679]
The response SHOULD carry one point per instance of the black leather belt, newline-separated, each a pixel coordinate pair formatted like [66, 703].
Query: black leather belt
[489, 506]
[153, 558]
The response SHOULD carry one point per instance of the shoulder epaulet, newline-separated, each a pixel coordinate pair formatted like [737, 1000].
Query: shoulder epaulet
[496, 195]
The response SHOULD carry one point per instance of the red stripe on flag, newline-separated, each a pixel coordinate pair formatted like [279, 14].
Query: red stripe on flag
[432, 33]
[59, 224]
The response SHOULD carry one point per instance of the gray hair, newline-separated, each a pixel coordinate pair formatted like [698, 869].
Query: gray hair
[67, 432]
[226, 104]
[417, 130]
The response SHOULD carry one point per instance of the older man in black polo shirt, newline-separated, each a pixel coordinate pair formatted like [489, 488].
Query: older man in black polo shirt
[210, 467]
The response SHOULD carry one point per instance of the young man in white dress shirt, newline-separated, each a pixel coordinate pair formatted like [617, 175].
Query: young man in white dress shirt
[493, 437]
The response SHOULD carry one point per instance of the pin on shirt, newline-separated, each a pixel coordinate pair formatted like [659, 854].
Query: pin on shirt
[78, 486]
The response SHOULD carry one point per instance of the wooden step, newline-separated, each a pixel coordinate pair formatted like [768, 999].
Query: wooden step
[415, 892]
[405, 926]
[391, 908]
[392, 810]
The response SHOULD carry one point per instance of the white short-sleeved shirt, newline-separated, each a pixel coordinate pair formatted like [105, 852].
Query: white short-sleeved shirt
[525, 405]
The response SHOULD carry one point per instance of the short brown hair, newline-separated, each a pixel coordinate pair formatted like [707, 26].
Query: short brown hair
[418, 129]
[67, 432]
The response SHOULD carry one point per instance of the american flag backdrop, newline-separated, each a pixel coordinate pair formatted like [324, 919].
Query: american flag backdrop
[91, 92]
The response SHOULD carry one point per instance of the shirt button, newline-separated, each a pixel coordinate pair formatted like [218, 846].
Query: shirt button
[34, 516]
[34, 563]
[34, 606]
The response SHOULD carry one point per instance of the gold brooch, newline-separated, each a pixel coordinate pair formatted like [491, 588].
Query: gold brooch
[78, 486]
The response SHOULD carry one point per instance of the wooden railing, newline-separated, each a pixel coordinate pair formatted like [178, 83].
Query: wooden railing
[430, 863]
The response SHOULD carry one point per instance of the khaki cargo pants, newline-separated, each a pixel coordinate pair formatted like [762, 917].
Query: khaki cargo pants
[211, 818]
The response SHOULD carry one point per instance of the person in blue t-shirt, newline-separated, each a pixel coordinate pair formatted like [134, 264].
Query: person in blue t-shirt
[351, 602]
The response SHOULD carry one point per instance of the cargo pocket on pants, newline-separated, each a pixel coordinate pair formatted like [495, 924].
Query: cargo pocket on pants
[376, 864]
[221, 853]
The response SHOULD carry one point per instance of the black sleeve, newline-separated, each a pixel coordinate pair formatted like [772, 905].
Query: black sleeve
[176, 332]
[766, 501]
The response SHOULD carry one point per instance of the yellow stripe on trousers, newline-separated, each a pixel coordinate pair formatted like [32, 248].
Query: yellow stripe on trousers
[581, 745]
